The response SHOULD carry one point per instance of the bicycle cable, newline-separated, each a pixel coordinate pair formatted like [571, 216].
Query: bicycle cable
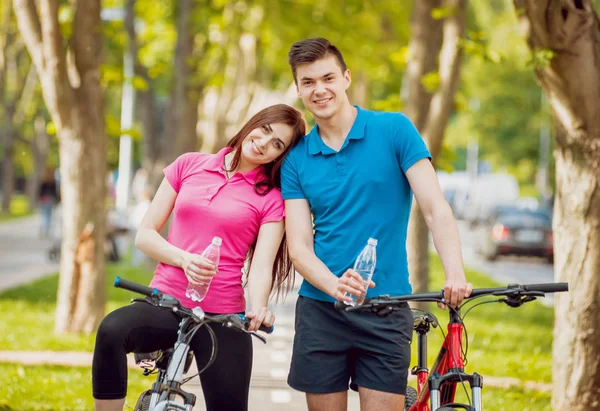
[213, 355]
[480, 303]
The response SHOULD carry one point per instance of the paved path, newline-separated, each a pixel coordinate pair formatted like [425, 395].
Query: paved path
[23, 255]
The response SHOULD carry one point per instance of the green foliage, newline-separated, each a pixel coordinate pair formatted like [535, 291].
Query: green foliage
[497, 74]
[19, 207]
[65, 18]
[431, 81]
[446, 159]
[391, 103]
[541, 58]
[443, 12]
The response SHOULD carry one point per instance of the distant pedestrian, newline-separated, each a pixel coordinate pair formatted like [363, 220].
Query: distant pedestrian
[48, 197]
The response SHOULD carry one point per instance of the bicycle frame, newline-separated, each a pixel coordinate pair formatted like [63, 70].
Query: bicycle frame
[447, 371]
[168, 383]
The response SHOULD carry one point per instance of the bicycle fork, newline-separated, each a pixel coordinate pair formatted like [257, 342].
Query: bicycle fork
[456, 376]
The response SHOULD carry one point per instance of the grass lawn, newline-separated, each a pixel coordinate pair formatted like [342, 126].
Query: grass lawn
[19, 207]
[28, 313]
[502, 343]
[52, 388]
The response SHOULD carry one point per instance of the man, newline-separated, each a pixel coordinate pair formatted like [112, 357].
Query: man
[354, 173]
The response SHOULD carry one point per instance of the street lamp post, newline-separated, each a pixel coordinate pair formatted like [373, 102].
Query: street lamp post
[127, 110]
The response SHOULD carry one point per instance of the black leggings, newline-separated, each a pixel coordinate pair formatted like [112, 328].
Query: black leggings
[141, 327]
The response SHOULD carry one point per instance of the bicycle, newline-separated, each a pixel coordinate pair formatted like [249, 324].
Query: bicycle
[171, 364]
[437, 392]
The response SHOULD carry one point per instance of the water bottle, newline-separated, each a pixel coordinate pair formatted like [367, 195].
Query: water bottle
[212, 254]
[365, 266]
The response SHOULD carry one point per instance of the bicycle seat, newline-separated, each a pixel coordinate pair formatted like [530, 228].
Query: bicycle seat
[162, 358]
[147, 356]
[422, 320]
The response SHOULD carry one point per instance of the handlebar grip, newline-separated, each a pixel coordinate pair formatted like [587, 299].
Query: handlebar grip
[135, 287]
[547, 288]
[262, 327]
[266, 329]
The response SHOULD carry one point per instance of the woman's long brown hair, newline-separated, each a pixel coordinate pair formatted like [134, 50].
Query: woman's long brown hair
[283, 274]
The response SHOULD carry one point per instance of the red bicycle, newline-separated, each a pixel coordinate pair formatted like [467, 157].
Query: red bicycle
[436, 389]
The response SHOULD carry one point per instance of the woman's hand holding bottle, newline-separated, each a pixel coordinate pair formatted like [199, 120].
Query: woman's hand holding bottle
[198, 268]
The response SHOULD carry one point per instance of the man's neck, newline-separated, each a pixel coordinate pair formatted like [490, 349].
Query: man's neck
[335, 129]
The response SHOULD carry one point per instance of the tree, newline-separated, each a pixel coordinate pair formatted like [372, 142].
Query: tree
[435, 46]
[564, 38]
[70, 80]
[9, 90]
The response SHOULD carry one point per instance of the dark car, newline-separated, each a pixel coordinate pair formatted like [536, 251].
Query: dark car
[514, 231]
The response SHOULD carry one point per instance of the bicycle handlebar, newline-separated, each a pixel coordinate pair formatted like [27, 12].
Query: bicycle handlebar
[238, 320]
[135, 287]
[511, 289]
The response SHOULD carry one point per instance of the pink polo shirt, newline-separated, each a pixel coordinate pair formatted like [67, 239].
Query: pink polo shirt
[209, 205]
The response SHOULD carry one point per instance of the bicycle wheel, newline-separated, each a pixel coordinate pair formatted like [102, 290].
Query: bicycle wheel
[411, 398]
[143, 402]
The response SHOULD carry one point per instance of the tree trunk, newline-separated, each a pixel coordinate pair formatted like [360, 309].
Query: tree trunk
[7, 131]
[571, 80]
[39, 151]
[8, 165]
[183, 111]
[432, 40]
[75, 103]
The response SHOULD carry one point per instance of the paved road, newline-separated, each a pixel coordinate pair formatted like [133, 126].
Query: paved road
[23, 255]
[506, 270]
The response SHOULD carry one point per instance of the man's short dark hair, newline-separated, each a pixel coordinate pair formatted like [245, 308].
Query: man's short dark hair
[311, 50]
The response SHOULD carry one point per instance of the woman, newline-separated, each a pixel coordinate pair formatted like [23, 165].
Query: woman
[235, 195]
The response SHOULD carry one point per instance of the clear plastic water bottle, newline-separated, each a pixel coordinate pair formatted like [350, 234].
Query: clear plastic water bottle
[365, 266]
[212, 254]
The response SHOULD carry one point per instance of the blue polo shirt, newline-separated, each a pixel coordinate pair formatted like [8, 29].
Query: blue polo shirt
[358, 192]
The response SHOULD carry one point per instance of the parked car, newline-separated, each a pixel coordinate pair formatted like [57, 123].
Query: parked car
[515, 231]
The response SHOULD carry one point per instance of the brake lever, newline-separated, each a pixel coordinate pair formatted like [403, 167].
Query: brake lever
[257, 335]
[516, 300]
[236, 322]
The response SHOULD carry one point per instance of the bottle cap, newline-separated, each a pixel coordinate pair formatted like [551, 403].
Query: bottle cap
[217, 241]
[372, 241]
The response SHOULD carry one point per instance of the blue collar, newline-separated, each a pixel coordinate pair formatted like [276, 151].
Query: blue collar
[316, 144]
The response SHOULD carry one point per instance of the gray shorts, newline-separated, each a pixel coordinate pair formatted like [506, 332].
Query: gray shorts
[334, 350]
